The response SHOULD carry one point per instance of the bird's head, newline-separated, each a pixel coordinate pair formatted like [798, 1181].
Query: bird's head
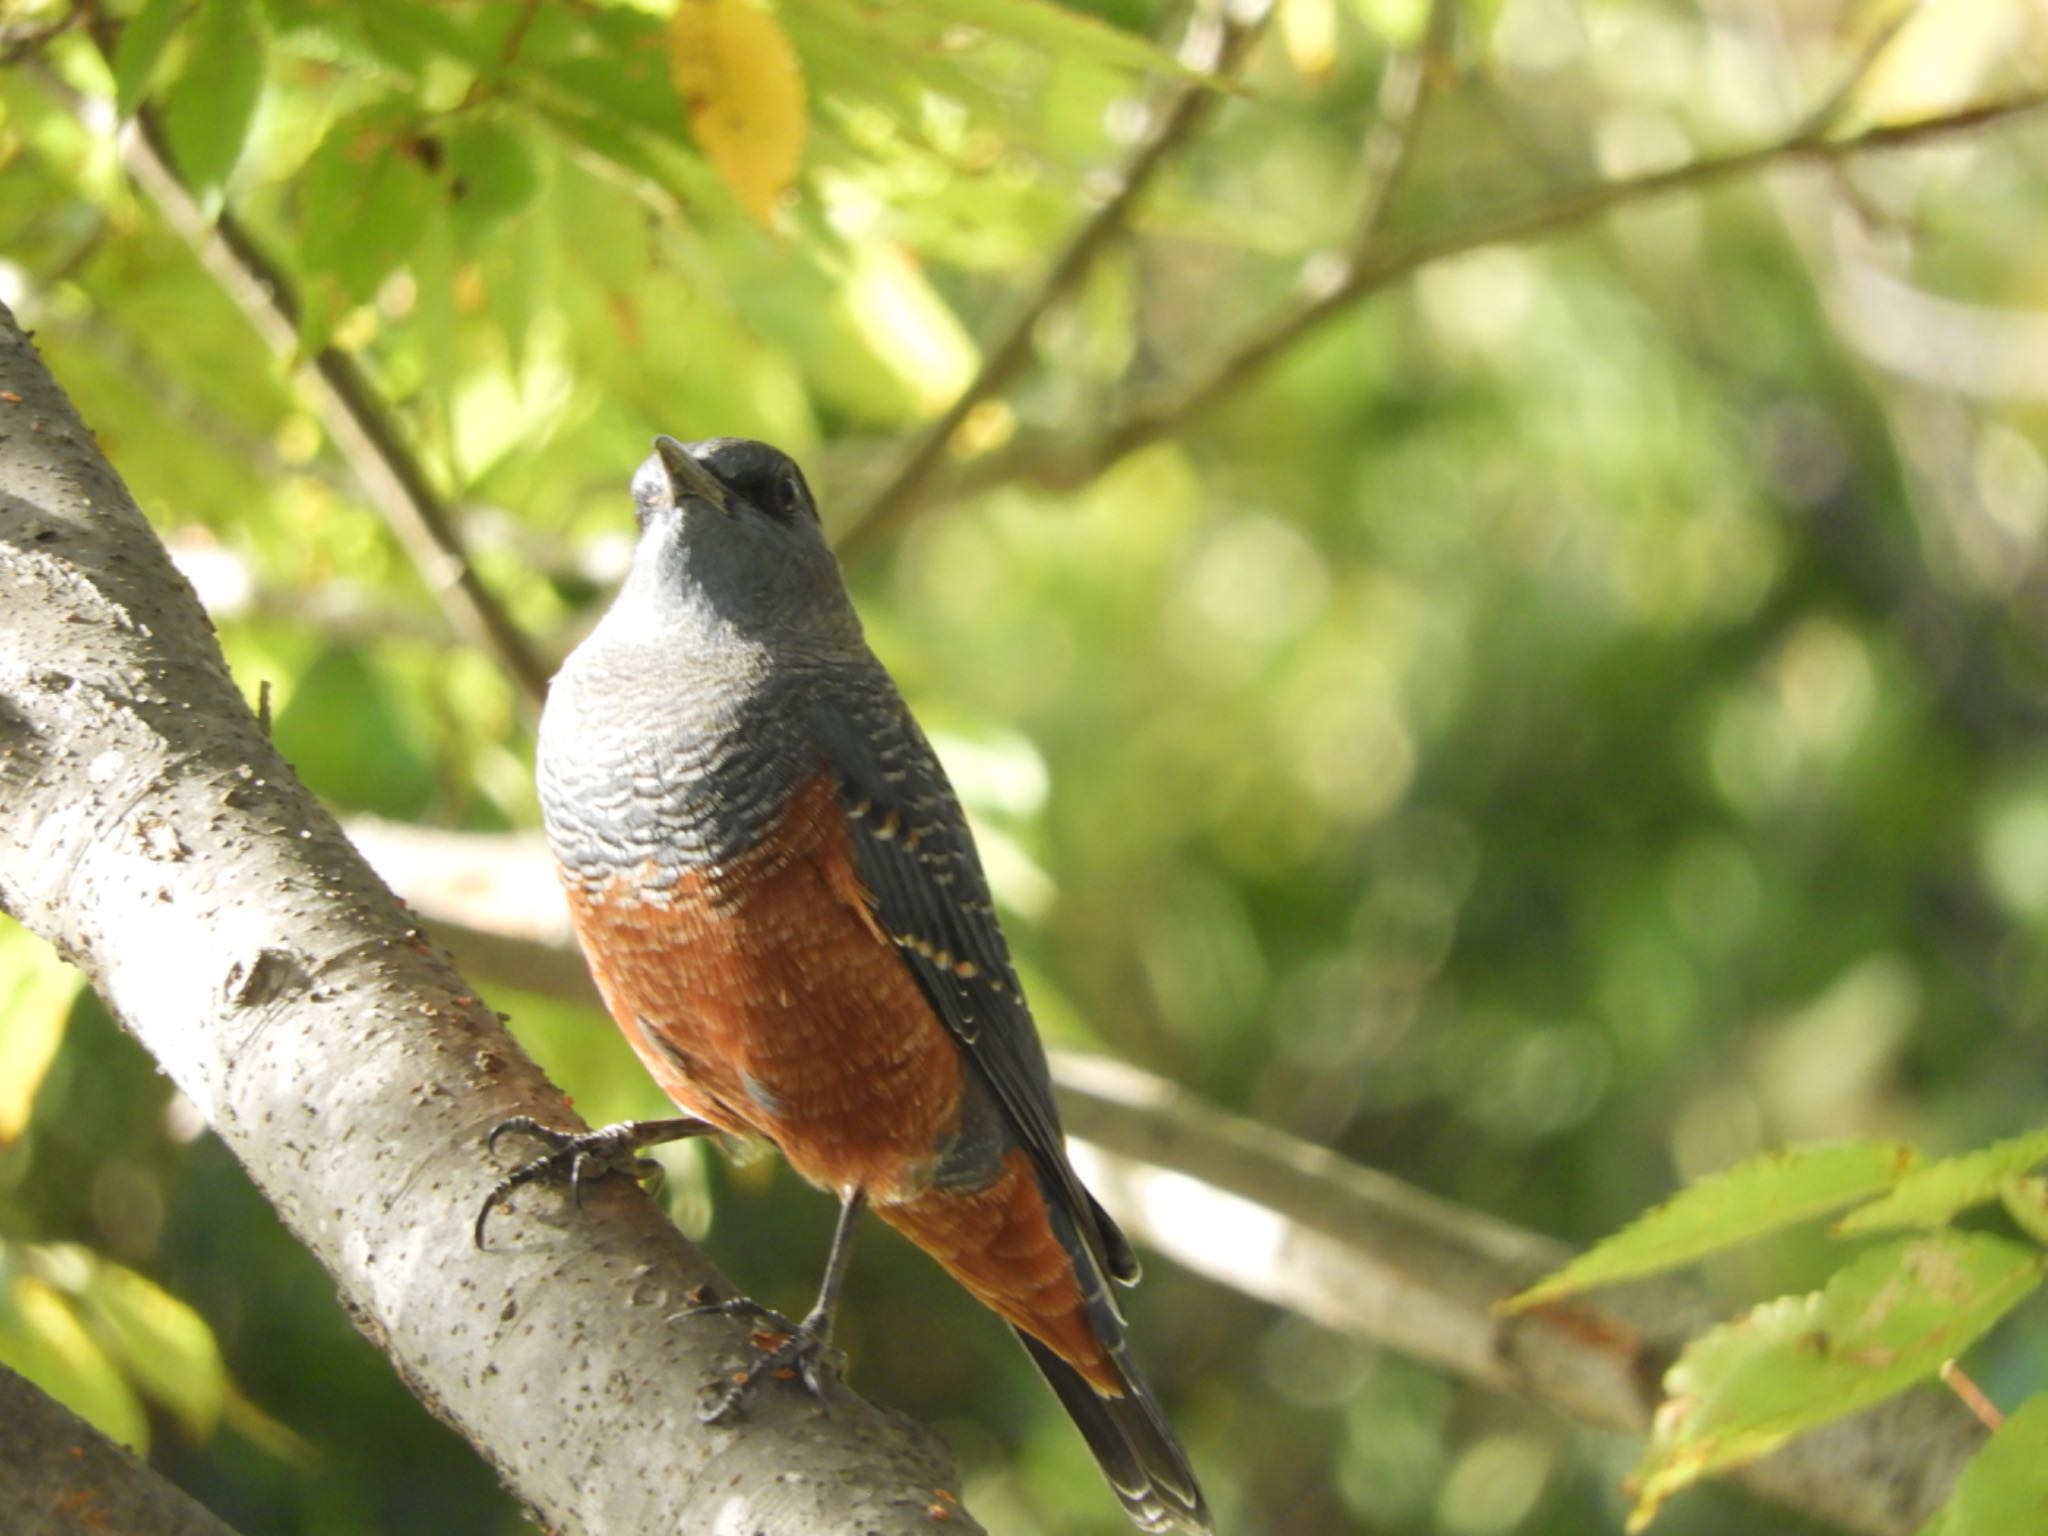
[729, 535]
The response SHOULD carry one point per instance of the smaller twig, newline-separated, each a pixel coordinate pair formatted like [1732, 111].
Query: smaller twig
[1334, 291]
[1405, 95]
[21, 42]
[1215, 45]
[483, 82]
[1987, 1413]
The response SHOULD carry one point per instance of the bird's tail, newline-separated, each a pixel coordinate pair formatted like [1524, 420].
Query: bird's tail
[1016, 1243]
[1132, 1442]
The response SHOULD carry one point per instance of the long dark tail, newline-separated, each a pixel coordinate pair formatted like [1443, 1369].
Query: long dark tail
[1133, 1443]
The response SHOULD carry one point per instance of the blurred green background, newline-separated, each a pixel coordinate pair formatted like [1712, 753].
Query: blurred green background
[1575, 720]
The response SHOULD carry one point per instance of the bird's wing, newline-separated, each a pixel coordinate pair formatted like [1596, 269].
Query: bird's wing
[916, 858]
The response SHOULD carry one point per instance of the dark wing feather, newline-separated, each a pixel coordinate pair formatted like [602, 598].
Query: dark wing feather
[917, 859]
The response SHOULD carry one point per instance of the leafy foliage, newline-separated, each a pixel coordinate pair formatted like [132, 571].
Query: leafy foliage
[1567, 723]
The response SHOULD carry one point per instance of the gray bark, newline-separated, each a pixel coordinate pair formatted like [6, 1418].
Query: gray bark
[151, 833]
[61, 1477]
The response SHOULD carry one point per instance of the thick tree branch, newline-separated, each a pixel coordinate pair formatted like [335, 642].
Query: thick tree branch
[150, 832]
[1217, 41]
[61, 1477]
[350, 408]
[1310, 1231]
[1332, 287]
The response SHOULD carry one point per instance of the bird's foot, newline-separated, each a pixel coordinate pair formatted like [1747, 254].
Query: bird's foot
[579, 1156]
[790, 1349]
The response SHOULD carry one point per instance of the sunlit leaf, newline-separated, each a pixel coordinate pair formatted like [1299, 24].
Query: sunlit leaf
[166, 1348]
[42, 1340]
[140, 50]
[490, 176]
[207, 110]
[37, 990]
[1930, 1195]
[1732, 1207]
[743, 88]
[2004, 1489]
[1888, 1319]
[366, 196]
[907, 325]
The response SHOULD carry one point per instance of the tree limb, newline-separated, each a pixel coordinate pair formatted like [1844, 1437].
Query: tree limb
[151, 833]
[1314, 1233]
[61, 1477]
[1332, 287]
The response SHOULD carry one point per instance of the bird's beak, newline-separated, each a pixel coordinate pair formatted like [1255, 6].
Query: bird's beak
[688, 478]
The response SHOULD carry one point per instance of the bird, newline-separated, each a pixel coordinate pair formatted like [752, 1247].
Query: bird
[781, 903]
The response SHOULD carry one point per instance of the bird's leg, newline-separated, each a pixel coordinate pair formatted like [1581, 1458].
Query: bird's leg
[581, 1155]
[805, 1346]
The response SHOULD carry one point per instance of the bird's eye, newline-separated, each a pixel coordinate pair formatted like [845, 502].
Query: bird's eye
[789, 494]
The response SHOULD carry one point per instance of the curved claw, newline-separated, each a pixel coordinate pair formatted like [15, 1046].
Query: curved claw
[806, 1348]
[577, 1155]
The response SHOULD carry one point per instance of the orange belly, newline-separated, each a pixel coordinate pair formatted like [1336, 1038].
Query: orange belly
[764, 998]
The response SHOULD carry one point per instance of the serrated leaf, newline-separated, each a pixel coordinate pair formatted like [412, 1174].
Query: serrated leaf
[165, 1347]
[1929, 1196]
[1731, 1207]
[208, 108]
[140, 50]
[490, 177]
[743, 88]
[42, 1340]
[37, 991]
[365, 200]
[1890, 1318]
[2004, 1489]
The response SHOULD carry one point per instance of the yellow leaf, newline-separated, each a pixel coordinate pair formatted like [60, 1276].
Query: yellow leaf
[744, 90]
[36, 993]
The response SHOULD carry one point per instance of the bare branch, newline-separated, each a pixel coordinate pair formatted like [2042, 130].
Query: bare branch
[1217, 41]
[1332, 288]
[1305, 1229]
[151, 832]
[59, 1476]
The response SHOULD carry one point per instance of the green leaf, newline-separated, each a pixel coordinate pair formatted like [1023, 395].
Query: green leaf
[209, 107]
[165, 1347]
[2004, 1489]
[42, 1340]
[490, 178]
[2026, 1201]
[1929, 1196]
[1893, 1316]
[365, 199]
[1731, 1207]
[378, 764]
[141, 50]
[37, 991]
